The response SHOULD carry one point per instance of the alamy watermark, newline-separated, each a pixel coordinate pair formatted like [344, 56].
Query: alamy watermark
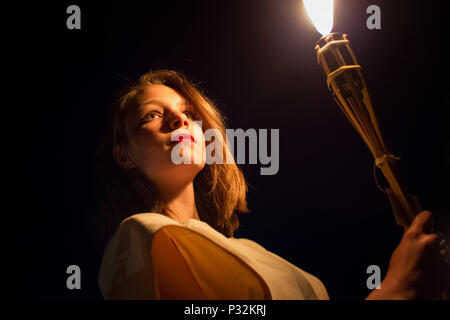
[74, 280]
[374, 20]
[374, 280]
[74, 20]
[235, 141]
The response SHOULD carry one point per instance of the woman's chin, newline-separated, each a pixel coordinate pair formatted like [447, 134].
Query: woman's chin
[190, 165]
[187, 157]
[183, 172]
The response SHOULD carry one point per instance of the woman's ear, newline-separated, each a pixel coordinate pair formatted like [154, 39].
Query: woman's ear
[122, 157]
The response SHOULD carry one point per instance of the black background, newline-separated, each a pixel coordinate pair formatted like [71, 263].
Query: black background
[322, 211]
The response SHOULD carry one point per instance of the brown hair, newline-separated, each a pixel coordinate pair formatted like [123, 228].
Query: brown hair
[220, 189]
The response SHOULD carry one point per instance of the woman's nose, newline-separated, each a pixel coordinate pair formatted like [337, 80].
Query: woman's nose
[177, 120]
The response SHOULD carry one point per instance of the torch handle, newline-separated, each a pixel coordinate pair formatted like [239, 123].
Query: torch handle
[404, 205]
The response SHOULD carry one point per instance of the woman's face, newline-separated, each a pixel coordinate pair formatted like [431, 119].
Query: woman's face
[163, 112]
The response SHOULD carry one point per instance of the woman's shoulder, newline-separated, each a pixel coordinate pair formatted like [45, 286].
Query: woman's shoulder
[249, 243]
[125, 258]
[138, 227]
[148, 222]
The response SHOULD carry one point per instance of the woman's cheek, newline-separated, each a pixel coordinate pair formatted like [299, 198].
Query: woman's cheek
[145, 146]
[145, 136]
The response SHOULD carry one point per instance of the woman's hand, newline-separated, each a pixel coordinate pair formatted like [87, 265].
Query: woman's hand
[416, 268]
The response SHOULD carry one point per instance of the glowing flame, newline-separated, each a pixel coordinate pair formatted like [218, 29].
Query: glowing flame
[321, 14]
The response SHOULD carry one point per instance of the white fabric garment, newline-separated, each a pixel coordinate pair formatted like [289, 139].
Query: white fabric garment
[284, 280]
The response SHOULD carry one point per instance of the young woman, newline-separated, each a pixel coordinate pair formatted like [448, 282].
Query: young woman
[172, 224]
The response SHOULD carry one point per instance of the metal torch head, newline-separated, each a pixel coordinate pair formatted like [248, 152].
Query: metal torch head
[336, 57]
[348, 88]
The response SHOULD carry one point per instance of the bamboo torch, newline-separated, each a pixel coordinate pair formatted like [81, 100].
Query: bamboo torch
[346, 83]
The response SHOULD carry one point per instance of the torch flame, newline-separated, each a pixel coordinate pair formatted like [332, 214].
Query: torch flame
[321, 14]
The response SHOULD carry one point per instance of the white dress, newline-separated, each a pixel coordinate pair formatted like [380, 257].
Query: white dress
[127, 255]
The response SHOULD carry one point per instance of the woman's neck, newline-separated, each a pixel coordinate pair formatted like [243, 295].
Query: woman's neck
[181, 201]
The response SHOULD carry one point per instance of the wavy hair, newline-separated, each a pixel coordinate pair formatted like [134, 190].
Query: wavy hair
[220, 189]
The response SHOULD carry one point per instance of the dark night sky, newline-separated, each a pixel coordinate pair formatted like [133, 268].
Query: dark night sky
[322, 211]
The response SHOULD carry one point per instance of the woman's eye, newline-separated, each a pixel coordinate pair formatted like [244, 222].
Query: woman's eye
[151, 116]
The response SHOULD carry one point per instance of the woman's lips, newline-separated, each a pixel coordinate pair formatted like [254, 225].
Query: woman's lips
[183, 137]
